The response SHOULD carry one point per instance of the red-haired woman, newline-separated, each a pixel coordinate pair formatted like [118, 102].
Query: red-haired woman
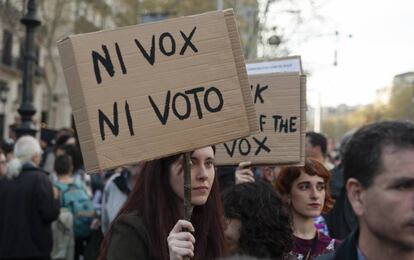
[306, 190]
[150, 224]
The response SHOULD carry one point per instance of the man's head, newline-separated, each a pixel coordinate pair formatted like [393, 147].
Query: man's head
[269, 173]
[27, 149]
[63, 165]
[379, 172]
[316, 145]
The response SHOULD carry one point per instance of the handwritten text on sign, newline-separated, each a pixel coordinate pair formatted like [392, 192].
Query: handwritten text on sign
[277, 100]
[147, 91]
[166, 41]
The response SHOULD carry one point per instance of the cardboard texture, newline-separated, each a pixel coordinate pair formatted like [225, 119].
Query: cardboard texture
[280, 101]
[147, 91]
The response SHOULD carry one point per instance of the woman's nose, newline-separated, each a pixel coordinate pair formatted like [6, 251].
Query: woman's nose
[201, 172]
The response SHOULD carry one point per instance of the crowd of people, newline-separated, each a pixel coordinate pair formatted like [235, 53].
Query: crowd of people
[354, 203]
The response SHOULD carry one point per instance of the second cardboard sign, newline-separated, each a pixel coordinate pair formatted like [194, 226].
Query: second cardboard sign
[279, 93]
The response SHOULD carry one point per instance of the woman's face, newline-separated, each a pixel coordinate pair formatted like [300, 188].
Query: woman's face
[202, 176]
[307, 195]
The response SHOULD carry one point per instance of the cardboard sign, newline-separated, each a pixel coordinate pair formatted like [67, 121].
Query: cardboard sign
[280, 100]
[148, 91]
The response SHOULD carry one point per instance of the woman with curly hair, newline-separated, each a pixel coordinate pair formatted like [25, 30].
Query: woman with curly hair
[150, 225]
[307, 192]
[257, 223]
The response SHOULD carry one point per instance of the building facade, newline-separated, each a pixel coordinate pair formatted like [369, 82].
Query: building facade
[50, 98]
[12, 36]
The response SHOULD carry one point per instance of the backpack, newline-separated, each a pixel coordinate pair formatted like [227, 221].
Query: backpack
[63, 237]
[74, 197]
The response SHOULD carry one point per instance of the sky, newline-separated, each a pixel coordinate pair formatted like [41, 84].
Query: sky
[381, 46]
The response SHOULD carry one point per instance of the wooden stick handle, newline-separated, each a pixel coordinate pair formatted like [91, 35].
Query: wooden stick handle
[187, 190]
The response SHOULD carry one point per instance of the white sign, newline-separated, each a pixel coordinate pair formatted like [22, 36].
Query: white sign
[290, 64]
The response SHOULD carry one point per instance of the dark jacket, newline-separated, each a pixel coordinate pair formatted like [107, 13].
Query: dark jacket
[129, 239]
[341, 220]
[347, 250]
[337, 181]
[27, 209]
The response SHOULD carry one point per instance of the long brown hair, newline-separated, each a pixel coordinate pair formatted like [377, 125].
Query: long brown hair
[155, 201]
[288, 175]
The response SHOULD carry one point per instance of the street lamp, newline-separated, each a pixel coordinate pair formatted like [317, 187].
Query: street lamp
[3, 99]
[26, 109]
[274, 40]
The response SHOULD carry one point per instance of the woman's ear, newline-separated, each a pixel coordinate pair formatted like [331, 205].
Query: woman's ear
[268, 174]
[287, 199]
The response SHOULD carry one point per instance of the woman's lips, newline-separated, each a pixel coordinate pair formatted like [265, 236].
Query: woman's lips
[314, 205]
[201, 189]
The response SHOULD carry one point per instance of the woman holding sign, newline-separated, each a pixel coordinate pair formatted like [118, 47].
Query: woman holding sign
[150, 224]
[306, 190]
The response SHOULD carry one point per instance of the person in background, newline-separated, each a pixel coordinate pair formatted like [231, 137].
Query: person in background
[337, 179]
[75, 198]
[332, 152]
[62, 228]
[379, 176]
[341, 220]
[29, 204]
[46, 143]
[7, 146]
[316, 148]
[78, 168]
[306, 190]
[12, 131]
[63, 136]
[151, 225]
[244, 173]
[257, 222]
[116, 192]
[3, 164]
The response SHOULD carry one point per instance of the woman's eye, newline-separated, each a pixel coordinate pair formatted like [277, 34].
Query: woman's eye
[321, 187]
[303, 187]
[209, 164]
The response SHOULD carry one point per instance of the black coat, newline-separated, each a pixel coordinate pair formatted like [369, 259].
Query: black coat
[27, 208]
[129, 239]
[341, 219]
[347, 250]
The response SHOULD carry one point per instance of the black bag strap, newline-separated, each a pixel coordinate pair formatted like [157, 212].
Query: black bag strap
[313, 246]
[121, 183]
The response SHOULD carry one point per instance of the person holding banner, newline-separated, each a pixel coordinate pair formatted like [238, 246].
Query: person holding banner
[307, 192]
[244, 173]
[150, 224]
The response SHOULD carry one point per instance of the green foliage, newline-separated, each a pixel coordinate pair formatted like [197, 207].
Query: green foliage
[401, 104]
[399, 107]
[337, 126]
